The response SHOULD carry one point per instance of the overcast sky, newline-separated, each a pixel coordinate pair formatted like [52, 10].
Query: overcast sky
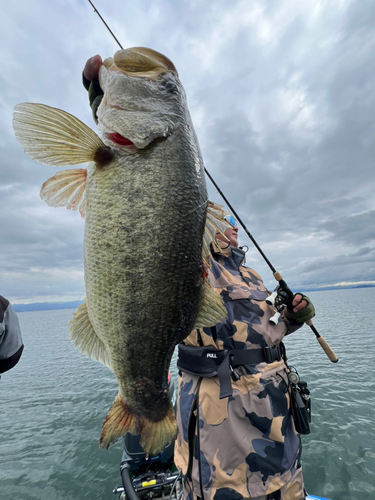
[282, 95]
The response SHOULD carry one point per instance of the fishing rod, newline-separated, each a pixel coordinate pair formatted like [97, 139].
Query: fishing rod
[326, 348]
[106, 25]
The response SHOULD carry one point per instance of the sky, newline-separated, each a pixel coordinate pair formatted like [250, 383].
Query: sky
[282, 97]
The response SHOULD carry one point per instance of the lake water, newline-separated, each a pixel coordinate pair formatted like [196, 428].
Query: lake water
[53, 402]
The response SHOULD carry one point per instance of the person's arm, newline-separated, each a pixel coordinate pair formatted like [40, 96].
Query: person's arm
[11, 345]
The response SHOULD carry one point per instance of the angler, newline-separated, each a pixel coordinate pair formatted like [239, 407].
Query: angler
[237, 436]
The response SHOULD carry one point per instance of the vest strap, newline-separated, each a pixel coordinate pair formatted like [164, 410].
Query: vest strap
[208, 362]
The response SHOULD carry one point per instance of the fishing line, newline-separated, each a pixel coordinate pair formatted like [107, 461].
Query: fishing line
[326, 348]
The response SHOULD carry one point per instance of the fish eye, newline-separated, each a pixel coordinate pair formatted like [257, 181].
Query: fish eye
[169, 86]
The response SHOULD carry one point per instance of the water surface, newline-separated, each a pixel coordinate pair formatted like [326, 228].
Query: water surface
[53, 402]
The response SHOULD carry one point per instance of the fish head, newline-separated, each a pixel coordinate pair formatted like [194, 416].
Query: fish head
[143, 100]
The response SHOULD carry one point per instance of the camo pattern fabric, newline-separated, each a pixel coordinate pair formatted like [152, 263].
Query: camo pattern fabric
[247, 444]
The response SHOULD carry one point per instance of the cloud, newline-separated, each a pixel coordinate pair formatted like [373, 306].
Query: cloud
[357, 229]
[282, 98]
[351, 283]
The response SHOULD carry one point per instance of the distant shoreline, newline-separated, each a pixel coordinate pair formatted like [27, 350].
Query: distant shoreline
[46, 306]
[51, 306]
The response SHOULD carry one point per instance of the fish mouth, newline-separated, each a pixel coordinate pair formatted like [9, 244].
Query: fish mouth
[127, 145]
[118, 124]
[119, 139]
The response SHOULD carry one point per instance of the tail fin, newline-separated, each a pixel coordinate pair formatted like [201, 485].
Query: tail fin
[121, 419]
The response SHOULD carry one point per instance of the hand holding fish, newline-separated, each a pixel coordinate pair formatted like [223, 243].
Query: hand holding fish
[92, 66]
[90, 80]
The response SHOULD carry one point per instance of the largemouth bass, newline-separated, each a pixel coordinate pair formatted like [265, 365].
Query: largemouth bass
[148, 226]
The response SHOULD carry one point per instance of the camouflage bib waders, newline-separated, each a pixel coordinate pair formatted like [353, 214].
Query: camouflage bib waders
[245, 445]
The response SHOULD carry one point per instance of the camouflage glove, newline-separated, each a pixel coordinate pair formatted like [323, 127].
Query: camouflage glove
[308, 312]
[95, 94]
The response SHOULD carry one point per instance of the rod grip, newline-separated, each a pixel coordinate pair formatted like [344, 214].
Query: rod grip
[277, 276]
[326, 348]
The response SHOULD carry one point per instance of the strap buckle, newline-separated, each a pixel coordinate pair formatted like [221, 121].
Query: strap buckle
[272, 353]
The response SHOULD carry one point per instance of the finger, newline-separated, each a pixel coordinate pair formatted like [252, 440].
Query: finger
[297, 299]
[300, 306]
[91, 69]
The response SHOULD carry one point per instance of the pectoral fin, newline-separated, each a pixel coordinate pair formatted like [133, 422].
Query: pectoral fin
[53, 137]
[85, 339]
[66, 189]
[213, 310]
[215, 223]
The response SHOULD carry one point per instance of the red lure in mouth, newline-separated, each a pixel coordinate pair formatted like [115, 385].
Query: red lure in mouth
[119, 139]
